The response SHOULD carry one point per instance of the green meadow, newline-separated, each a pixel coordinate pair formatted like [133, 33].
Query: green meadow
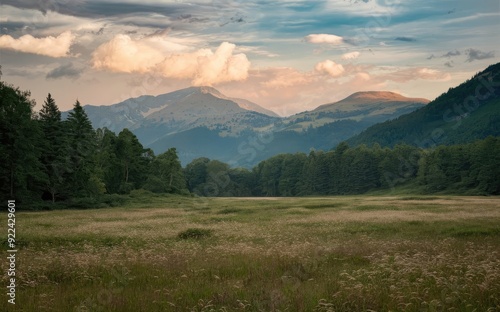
[173, 253]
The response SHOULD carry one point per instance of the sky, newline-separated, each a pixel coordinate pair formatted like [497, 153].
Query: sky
[288, 56]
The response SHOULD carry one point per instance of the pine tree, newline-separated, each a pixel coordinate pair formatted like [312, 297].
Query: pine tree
[20, 169]
[54, 157]
[107, 165]
[82, 148]
[131, 155]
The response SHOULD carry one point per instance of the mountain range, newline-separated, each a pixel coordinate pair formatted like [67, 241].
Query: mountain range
[202, 122]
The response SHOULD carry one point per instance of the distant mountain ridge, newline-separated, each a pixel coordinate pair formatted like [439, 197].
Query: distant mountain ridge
[463, 114]
[370, 98]
[183, 109]
[203, 122]
[368, 107]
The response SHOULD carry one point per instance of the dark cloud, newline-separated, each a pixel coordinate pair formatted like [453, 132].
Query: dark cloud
[189, 18]
[9, 27]
[448, 54]
[449, 64]
[99, 9]
[99, 32]
[474, 55]
[64, 71]
[19, 72]
[357, 1]
[234, 19]
[405, 39]
[452, 53]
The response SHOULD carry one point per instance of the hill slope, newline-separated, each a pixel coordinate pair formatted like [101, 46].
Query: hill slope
[367, 107]
[465, 113]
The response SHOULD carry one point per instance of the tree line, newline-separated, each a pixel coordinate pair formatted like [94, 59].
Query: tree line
[45, 158]
[471, 168]
[51, 160]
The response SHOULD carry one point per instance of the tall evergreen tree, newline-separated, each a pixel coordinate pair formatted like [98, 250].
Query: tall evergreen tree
[20, 169]
[107, 165]
[54, 157]
[133, 161]
[82, 148]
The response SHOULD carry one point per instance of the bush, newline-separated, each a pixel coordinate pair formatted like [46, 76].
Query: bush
[113, 200]
[84, 203]
[41, 205]
[142, 193]
[194, 233]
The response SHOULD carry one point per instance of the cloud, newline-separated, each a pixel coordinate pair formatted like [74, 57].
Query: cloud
[170, 58]
[285, 77]
[84, 8]
[205, 67]
[350, 55]
[49, 46]
[362, 76]
[330, 67]
[408, 74]
[452, 53]
[405, 39]
[449, 64]
[66, 70]
[122, 54]
[474, 54]
[324, 38]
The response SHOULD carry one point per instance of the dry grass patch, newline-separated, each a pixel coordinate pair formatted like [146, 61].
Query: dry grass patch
[340, 254]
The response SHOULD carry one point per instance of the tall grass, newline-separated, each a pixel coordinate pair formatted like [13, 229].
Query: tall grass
[307, 254]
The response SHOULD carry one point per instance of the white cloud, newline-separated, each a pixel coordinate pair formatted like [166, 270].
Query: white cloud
[205, 67]
[122, 54]
[49, 46]
[171, 58]
[363, 76]
[285, 77]
[324, 38]
[350, 55]
[409, 74]
[330, 67]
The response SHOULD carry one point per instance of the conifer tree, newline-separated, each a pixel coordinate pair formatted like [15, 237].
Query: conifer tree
[54, 150]
[82, 148]
[20, 169]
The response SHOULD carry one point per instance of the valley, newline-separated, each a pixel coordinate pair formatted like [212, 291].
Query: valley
[222, 128]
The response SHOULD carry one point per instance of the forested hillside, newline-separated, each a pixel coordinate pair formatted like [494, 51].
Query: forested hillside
[46, 159]
[464, 114]
[48, 162]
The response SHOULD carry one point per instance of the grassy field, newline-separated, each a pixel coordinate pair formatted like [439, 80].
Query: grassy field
[358, 253]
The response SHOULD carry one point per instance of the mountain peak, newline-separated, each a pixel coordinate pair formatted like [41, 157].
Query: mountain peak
[381, 95]
[245, 104]
[375, 95]
[209, 90]
[369, 98]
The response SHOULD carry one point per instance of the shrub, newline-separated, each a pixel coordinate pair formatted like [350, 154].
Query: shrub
[142, 193]
[113, 200]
